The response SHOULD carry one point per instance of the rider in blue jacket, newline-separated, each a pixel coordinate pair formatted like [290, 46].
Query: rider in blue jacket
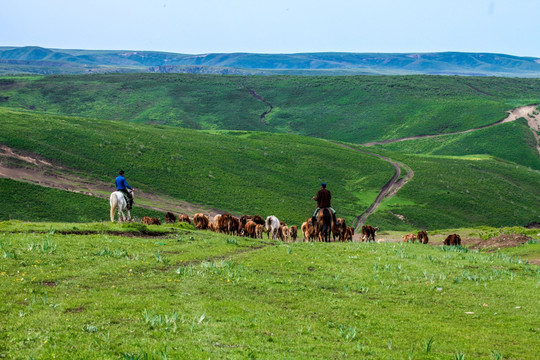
[122, 185]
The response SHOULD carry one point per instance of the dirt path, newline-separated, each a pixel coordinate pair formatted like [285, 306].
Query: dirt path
[526, 112]
[41, 172]
[388, 190]
[260, 98]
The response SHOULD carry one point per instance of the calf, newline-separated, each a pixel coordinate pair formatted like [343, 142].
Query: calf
[293, 232]
[409, 238]
[284, 233]
[309, 231]
[339, 229]
[349, 232]
[368, 233]
[151, 220]
[259, 229]
[184, 218]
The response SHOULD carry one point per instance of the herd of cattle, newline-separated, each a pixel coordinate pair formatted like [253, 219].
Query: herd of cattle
[254, 226]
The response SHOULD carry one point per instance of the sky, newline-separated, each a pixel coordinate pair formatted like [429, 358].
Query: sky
[275, 26]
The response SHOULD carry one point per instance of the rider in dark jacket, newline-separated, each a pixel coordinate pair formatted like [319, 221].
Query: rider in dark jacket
[122, 185]
[323, 198]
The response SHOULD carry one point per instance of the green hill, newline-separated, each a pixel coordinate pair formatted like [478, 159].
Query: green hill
[239, 172]
[355, 109]
[238, 144]
[510, 141]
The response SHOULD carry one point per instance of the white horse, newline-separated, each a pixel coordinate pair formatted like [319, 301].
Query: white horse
[118, 201]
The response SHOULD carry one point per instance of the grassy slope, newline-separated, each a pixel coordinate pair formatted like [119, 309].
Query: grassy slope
[234, 171]
[200, 295]
[29, 202]
[462, 191]
[510, 141]
[354, 108]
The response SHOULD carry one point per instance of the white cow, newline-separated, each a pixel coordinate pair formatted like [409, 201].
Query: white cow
[272, 226]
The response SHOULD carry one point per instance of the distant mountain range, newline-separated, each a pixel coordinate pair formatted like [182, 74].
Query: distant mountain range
[38, 60]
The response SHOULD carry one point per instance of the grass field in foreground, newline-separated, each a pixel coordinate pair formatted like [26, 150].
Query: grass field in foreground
[198, 295]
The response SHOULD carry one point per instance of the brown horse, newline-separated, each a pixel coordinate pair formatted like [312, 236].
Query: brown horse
[325, 222]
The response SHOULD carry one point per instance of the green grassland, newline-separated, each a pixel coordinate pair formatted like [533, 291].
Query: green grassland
[462, 191]
[198, 295]
[510, 141]
[356, 109]
[241, 172]
[244, 164]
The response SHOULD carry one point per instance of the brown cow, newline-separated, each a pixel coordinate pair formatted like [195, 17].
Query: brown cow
[224, 223]
[453, 239]
[422, 237]
[170, 218]
[151, 220]
[368, 233]
[234, 225]
[249, 229]
[184, 218]
[200, 221]
[293, 232]
[349, 232]
[339, 229]
[409, 238]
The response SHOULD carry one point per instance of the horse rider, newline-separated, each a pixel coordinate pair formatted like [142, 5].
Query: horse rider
[122, 186]
[323, 198]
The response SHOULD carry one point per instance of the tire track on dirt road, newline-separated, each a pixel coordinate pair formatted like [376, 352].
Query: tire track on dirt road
[388, 190]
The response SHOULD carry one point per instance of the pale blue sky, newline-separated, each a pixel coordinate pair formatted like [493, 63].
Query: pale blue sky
[276, 26]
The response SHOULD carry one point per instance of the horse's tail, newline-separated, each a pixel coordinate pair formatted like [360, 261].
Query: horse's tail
[327, 224]
[114, 205]
[326, 216]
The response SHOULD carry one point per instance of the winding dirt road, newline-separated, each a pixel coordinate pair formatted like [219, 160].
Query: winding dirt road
[388, 190]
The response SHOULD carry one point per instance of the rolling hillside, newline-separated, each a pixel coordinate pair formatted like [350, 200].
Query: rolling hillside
[37, 60]
[238, 144]
[239, 172]
[355, 109]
